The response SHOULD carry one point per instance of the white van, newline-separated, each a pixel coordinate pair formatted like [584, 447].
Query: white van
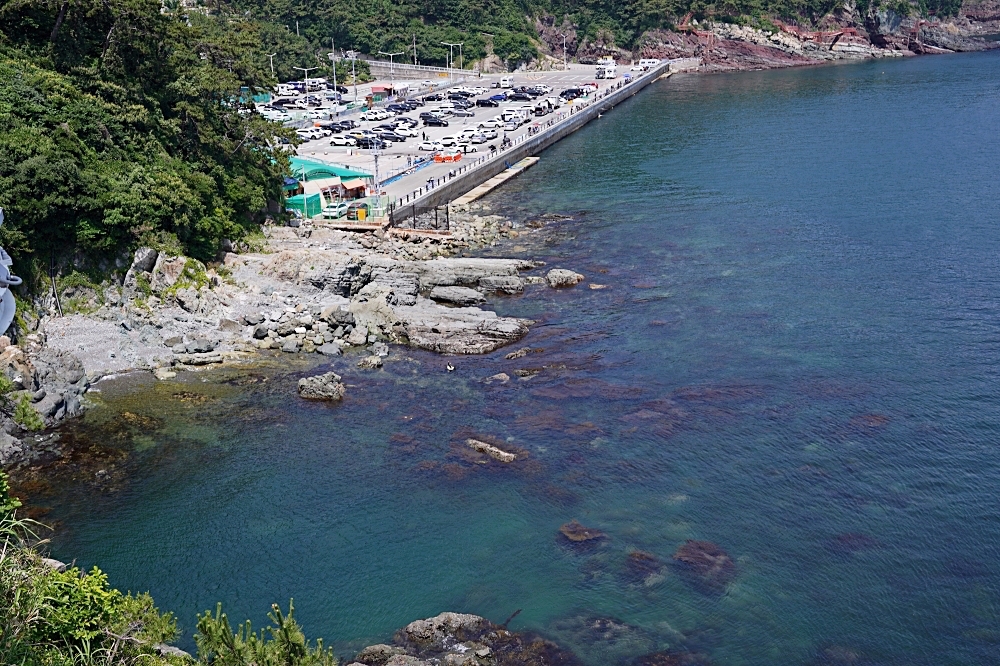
[649, 62]
[507, 82]
[286, 90]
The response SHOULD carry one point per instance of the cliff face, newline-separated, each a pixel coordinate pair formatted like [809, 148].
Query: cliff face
[845, 35]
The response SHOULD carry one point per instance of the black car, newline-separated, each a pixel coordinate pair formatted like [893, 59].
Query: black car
[462, 104]
[415, 102]
[341, 89]
[486, 101]
[384, 127]
[369, 142]
[436, 97]
[409, 122]
[389, 135]
[571, 93]
[434, 121]
[521, 97]
[397, 108]
[349, 124]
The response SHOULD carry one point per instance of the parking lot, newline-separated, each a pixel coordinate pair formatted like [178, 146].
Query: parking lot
[400, 158]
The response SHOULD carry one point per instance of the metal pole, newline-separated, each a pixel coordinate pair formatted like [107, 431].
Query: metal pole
[306, 70]
[392, 74]
[271, 58]
[564, 51]
[333, 60]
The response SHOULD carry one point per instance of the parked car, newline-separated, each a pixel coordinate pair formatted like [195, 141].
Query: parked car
[352, 210]
[521, 97]
[448, 141]
[435, 121]
[372, 143]
[335, 210]
[511, 126]
[398, 109]
[467, 147]
[490, 134]
[436, 97]
[463, 113]
[478, 138]
[375, 114]
[408, 122]
[348, 124]
[341, 89]
[461, 104]
[487, 101]
[405, 130]
[391, 136]
[341, 140]
[433, 146]
[492, 123]
[415, 102]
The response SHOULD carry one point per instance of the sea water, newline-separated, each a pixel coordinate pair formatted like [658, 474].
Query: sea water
[795, 357]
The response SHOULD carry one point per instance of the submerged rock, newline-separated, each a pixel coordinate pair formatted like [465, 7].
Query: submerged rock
[370, 362]
[577, 533]
[322, 387]
[490, 450]
[671, 658]
[643, 567]
[707, 564]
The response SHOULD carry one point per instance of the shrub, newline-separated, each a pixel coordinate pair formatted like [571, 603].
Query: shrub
[27, 416]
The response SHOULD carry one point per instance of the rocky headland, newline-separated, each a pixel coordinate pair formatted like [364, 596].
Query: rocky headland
[845, 34]
[306, 290]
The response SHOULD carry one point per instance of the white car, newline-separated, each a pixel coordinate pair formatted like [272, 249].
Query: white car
[490, 134]
[448, 141]
[277, 116]
[478, 138]
[318, 114]
[405, 130]
[343, 141]
[375, 114]
[335, 210]
[511, 126]
[432, 146]
[493, 123]
[471, 130]
[306, 134]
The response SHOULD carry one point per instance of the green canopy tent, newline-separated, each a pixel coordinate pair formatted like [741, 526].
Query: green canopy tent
[309, 205]
[304, 169]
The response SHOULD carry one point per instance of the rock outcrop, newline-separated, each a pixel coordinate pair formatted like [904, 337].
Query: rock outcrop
[322, 387]
[458, 639]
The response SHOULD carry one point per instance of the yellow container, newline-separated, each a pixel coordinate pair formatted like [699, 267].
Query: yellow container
[362, 214]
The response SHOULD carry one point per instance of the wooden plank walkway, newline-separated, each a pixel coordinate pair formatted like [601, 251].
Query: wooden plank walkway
[495, 182]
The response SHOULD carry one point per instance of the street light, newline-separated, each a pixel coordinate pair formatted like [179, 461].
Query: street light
[270, 57]
[353, 56]
[451, 55]
[392, 76]
[564, 51]
[306, 70]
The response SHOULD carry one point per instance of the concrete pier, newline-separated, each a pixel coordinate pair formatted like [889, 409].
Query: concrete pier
[467, 177]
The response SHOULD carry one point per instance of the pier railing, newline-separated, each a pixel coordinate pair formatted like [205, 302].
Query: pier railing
[496, 153]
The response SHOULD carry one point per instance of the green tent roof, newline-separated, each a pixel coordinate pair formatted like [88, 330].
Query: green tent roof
[316, 170]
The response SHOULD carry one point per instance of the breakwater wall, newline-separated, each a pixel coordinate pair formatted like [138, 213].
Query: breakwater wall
[476, 174]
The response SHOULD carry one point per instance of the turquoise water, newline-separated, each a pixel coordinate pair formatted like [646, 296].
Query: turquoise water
[795, 357]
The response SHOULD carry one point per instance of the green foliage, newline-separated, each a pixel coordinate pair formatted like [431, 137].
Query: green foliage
[8, 504]
[26, 416]
[79, 607]
[281, 644]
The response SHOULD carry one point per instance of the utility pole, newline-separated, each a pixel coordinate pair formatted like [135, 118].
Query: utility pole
[564, 51]
[461, 60]
[353, 55]
[414, 49]
[271, 58]
[392, 74]
[333, 62]
[451, 56]
[297, 28]
[306, 70]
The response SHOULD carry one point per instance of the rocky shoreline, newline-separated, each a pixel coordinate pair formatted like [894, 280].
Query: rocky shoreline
[311, 290]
